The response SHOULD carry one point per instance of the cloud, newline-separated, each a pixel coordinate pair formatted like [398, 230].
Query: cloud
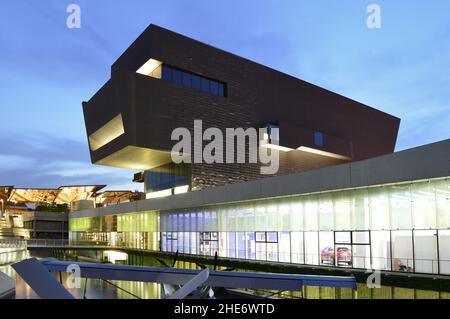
[48, 161]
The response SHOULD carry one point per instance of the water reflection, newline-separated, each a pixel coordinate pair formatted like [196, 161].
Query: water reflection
[90, 289]
[99, 289]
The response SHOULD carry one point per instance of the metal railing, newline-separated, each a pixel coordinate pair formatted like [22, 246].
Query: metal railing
[357, 261]
[13, 243]
[51, 243]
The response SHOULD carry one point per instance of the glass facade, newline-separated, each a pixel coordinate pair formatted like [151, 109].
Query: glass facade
[191, 80]
[403, 227]
[167, 176]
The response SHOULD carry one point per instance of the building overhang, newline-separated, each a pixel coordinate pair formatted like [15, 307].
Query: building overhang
[136, 158]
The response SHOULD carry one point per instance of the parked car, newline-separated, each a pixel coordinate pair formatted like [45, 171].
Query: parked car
[327, 256]
[343, 256]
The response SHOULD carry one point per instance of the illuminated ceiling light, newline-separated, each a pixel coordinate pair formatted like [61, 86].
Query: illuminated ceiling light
[149, 67]
[137, 158]
[159, 194]
[181, 189]
[277, 147]
[323, 153]
[108, 132]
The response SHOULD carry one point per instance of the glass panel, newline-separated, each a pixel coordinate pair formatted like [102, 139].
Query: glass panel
[250, 245]
[442, 189]
[342, 211]
[326, 214]
[261, 237]
[296, 216]
[424, 205]
[425, 251]
[272, 237]
[232, 245]
[342, 237]
[400, 207]
[200, 218]
[311, 248]
[326, 241]
[361, 209]
[310, 214]
[214, 88]
[381, 250]
[297, 252]
[402, 254]
[232, 219]
[284, 247]
[203, 244]
[444, 252]
[221, 89]
[223, 244]
[272, 251]
[241, 245]
[176, 76]
[166, 73]
[213, 224]
[272, 217]
[262, 218]
[379, 209]
[193, 221]
[214, 247]
[164, 243]
[361, 237]
[261, 251]
[361, 256]
[205, 85]
[194, 238]
[187, 243]
[318, 138]
[186, 79]
[207, 222]
[195, 82]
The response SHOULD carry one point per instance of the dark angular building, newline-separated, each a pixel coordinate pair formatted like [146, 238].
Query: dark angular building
[165, 80]
[345, 201]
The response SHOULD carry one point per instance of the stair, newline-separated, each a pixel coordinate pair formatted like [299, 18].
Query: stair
[5, 230]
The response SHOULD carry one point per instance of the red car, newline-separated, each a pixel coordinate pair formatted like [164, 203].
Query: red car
[344, 256]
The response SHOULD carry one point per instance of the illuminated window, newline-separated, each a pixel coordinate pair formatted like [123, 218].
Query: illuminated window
[107, 133]
[318, 138]
[151, 68]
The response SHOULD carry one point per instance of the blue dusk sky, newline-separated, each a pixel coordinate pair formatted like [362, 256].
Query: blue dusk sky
[47, 69]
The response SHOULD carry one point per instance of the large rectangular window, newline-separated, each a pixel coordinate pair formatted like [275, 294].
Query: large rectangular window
[311, 248]
[402, 251]
[381, 250]
[425, 251]
[444, 252]
[190, 80]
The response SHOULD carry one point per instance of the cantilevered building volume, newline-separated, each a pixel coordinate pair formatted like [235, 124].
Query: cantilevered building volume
[164, 81]
[342, 198]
